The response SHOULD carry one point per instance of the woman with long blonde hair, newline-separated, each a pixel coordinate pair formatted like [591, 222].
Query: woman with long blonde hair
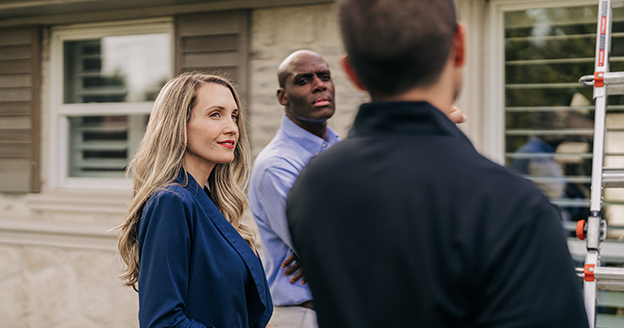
[185, 248]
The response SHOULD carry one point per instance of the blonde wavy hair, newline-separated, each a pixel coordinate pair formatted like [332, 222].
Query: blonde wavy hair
[160, 158]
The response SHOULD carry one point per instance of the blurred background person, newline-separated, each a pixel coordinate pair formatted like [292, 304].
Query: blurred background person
[537, 159]
[544, 166]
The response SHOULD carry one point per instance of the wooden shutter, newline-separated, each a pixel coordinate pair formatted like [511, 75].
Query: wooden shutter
[214, 42]
[19, 109]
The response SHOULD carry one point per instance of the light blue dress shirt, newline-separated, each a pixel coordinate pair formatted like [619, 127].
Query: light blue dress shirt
[274, 172]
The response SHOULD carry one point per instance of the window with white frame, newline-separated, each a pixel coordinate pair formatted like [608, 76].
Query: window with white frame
[540, 49]
[104, 81]
[548, 115]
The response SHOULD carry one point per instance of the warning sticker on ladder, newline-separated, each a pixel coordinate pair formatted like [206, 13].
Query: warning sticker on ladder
[604, 11]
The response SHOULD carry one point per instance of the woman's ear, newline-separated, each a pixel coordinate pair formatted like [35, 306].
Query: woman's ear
[348, 68]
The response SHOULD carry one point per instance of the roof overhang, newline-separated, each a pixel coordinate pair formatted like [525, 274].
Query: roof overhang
[31, 12]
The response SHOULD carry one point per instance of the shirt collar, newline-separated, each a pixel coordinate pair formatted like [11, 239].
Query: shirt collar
[307, 140]
[403, 118]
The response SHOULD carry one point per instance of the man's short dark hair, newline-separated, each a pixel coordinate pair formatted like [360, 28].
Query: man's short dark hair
[396, 45]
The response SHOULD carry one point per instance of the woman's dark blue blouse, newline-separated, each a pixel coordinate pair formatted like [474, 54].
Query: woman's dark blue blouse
[195, 268]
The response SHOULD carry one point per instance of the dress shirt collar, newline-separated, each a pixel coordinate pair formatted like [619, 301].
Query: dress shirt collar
[307, 140]
[403, 118]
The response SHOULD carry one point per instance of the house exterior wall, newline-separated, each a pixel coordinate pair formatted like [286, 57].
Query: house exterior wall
[277, 33]
[58, 262]
[58, 259]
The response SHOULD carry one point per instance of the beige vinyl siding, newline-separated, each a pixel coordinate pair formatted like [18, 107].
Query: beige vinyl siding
[214, 42]
[19, 109]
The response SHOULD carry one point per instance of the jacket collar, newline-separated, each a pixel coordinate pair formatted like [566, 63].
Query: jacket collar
[403, 118]
[251, 258]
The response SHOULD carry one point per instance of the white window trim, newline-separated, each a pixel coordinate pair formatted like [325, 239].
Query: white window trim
[59, 122]
[494, 89]
[494, 120]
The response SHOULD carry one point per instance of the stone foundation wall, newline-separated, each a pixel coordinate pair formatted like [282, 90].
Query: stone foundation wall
[46, 286]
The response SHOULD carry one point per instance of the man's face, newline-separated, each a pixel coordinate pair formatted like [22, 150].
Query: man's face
[308, 92]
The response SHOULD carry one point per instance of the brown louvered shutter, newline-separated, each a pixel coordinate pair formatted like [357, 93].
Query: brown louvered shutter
[214, 42]
[19, 109]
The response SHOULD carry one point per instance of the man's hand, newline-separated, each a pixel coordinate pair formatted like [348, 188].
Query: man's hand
[293, 266]
[457, 116]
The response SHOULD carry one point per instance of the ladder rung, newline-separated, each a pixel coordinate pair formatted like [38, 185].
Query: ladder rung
[613, 78]
[615, 89]
[607, 278]
[609, 273]
[612, 177]
[613, 81]
[605, 273]
[610, 286]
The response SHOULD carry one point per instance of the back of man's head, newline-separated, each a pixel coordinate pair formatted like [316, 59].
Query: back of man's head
[397, 45]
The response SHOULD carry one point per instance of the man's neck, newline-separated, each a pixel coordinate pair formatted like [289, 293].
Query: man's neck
[316, 128]
[437, 97]
[441, 94]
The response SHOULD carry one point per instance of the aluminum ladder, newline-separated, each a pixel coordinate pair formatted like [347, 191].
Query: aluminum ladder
[594, 229]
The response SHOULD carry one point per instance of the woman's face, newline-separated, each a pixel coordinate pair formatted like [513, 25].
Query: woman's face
[212, 131]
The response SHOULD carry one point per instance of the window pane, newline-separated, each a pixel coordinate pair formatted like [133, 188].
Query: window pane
[111, 69]
[102, 146]
[548, 115]
[130, 68]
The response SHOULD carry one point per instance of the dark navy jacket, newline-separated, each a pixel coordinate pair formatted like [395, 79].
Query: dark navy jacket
[196, 269]
[404, 224]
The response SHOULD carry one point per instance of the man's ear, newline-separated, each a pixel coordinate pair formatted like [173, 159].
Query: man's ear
[348, 68]
[281, 97]
[459, 46]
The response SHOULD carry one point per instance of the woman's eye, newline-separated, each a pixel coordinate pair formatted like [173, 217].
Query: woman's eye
[215, 114]
[235, 117]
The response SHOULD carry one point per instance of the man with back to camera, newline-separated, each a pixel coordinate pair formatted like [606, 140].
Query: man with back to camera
[403, 223]
[306, 91]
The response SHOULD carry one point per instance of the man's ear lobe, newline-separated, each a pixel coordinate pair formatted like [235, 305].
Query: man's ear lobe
[348, 68]
[281, 97]
[459, 45]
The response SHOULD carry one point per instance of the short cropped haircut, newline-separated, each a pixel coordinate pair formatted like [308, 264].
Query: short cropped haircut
[397, 45]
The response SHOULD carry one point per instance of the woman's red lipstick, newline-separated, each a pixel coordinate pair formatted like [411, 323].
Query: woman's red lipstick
[227, 143]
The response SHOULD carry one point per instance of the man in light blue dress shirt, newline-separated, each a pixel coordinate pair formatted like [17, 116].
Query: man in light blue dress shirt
[307, 94]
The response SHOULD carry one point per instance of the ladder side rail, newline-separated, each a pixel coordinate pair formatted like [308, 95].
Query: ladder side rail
[592, 259]
[598, 159]
[590, 288]
[603, 38]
